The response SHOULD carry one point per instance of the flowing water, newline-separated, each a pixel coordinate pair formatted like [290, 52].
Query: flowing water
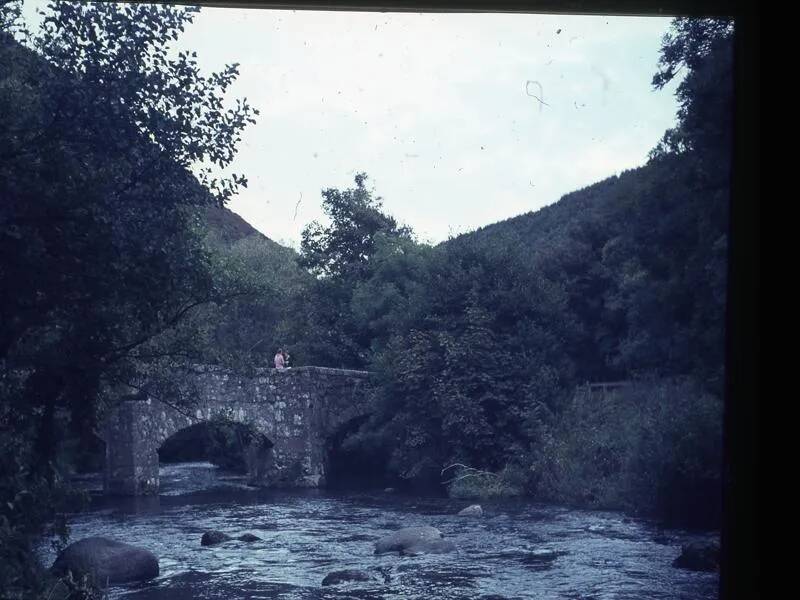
[516, 550]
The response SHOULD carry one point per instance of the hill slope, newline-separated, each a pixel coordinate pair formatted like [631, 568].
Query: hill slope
[231, 228]
[643, 258]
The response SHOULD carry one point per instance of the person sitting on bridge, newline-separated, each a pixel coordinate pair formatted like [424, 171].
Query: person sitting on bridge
[285, 359]
[280, 361]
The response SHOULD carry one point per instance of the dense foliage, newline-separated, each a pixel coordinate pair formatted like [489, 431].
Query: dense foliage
[341, 255]
[478, 343]
[103, 253]
[650, 448]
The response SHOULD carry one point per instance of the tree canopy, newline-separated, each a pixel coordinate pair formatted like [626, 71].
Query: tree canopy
[109, 149]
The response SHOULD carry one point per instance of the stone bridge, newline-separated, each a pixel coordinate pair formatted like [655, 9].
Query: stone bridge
[296, 410]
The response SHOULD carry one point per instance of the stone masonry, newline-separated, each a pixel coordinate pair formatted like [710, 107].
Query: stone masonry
[295, 409]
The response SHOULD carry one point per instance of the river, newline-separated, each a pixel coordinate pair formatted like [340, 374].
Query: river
[516, 550]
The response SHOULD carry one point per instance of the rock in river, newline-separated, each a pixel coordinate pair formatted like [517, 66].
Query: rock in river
[337, 577]
[471, 511]
[211, 538]
[106, 561]
[414, 540]
[698, 556]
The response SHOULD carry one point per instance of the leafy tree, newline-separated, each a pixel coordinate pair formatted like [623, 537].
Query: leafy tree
[704, 49]
[463, 381]
[121, 55]
[98, 195]
[677, 245]
[249, 328]
[101, 130]
[341, 255]
[344, 248]
[395, 295]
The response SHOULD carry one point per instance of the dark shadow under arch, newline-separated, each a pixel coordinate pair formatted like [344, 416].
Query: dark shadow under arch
[355, 459]
[229, 445]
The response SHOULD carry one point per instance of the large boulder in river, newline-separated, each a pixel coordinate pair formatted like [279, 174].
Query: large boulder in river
[106, 561]
[414, 540]
[698, 556]
[474, 510]
[211, 538]
[337, 577]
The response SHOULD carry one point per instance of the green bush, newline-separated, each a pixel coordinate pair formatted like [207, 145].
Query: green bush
[653, 448]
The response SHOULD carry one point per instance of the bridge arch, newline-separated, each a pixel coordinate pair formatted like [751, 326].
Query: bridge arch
[295, 409]
[229, 444]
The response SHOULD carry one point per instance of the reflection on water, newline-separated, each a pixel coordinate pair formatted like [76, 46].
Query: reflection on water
[517, 550]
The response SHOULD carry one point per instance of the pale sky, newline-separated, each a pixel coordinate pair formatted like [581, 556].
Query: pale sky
[438, 109]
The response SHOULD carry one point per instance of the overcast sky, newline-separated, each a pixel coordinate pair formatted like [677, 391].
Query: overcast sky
[442, 111]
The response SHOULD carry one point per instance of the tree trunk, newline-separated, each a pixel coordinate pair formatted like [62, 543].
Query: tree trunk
[42, 390]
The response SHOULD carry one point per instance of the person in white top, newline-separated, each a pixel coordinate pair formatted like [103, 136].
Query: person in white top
[280, 362]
